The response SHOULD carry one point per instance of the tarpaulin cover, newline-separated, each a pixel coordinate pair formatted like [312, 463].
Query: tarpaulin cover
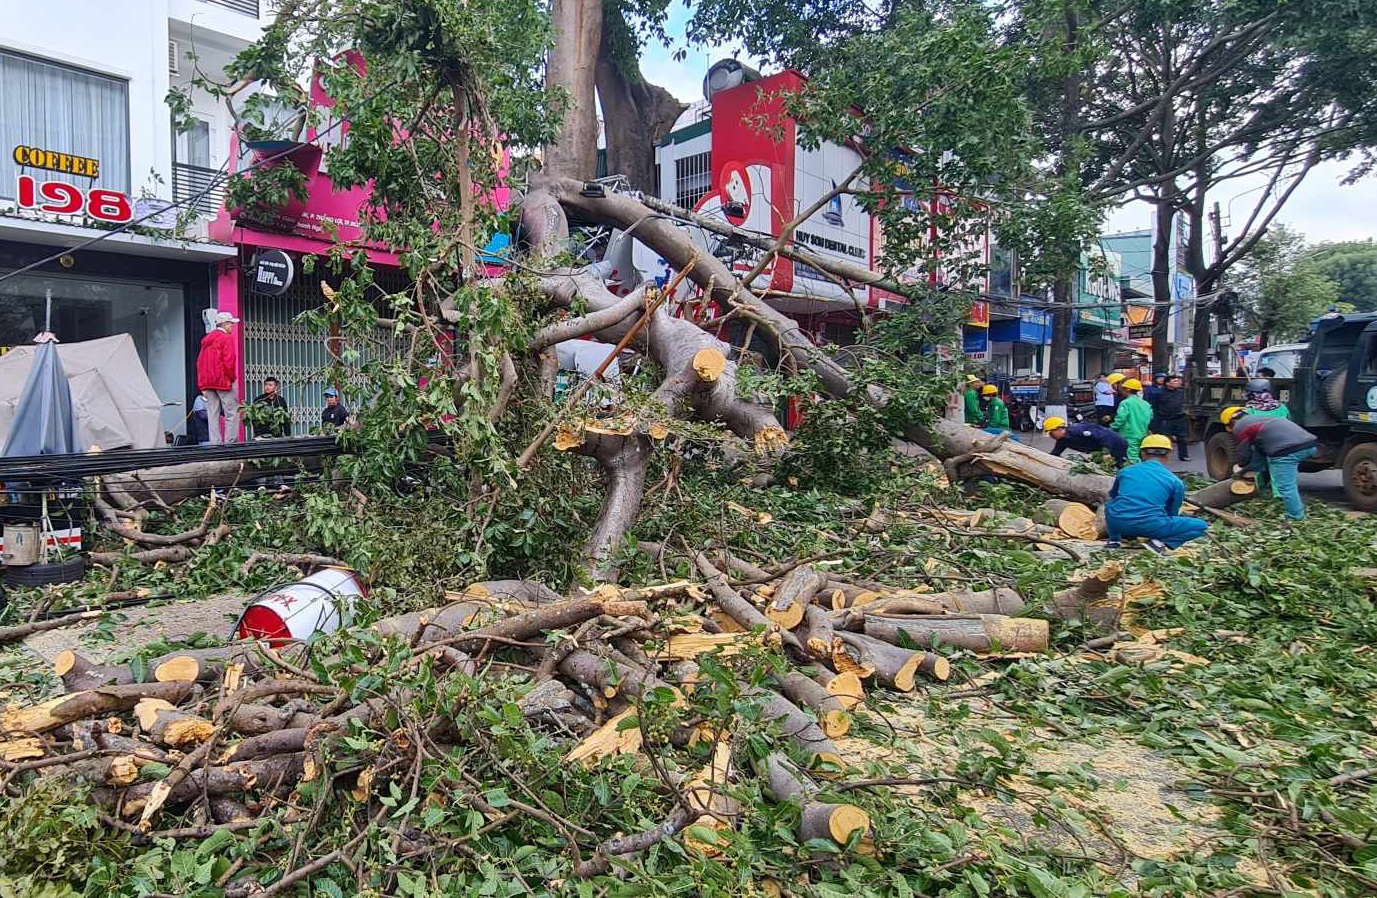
[112, 401]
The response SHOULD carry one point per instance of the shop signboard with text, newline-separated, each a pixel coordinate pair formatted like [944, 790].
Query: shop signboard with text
[60, 198]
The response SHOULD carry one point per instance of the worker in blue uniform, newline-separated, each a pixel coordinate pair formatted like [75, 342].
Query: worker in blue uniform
[1145, 501]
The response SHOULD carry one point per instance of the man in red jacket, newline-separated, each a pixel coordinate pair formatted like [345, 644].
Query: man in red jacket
[216, 368]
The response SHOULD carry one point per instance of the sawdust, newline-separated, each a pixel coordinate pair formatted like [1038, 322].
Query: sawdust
[1121, 801]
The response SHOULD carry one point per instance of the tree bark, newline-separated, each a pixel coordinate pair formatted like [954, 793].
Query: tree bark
[1058, 354]
[572, 65]
[636, 114]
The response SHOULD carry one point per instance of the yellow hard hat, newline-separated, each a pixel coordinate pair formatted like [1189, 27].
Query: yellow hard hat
[1115, 379]
[1052, 423]
[1229, 414]
[972, 379]
[1133, 384]
[989, 390]
[1155, 441]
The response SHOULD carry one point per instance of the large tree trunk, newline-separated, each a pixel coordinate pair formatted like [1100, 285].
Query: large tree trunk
[636, 114]
[1162, 266]
[573, 62]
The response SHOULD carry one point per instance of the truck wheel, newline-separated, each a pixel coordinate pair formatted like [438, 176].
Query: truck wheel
[1360, 476]
[1335, 386]
[1219, 455]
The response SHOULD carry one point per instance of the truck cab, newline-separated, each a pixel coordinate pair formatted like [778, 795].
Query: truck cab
[1329, 384]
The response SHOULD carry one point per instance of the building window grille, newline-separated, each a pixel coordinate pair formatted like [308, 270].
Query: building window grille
[692, 179]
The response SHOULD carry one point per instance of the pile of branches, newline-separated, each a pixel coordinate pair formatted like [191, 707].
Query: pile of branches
[225, 738]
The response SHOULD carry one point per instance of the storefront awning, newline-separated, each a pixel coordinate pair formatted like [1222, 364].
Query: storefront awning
[47, 233]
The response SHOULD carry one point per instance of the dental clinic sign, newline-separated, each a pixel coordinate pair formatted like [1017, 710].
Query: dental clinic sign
[60, 198]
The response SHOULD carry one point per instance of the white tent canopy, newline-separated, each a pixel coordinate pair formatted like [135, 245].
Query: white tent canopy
[112, 399]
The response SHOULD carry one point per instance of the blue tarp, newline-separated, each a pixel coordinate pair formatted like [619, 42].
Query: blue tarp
[43, 421]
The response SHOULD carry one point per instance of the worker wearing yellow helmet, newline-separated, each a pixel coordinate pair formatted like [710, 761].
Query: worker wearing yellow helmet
[971, 399]
[1145, 501]
[1085, 437]
[1133, 417]
[994, 414]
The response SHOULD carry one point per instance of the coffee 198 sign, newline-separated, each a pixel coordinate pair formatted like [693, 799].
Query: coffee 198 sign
[59, 198]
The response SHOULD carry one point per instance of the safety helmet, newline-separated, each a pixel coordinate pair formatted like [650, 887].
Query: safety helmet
[972, 379]
[1159, 375]
[1052, 423]
[1230, 414]
[1133, 384]
[1258, 385]
[1155, 442]
[1115, 379]
[989, 390]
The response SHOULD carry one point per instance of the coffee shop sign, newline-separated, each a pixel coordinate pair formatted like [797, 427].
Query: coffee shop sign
[60, 198]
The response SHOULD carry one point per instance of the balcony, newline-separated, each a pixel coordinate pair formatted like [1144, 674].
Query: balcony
[247, 7]
[191, 180]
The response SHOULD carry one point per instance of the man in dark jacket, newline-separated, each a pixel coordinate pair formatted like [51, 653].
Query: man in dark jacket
[1169, 415]
[1087, 438]
[1276, 446]
[272, 398]
[334, 414]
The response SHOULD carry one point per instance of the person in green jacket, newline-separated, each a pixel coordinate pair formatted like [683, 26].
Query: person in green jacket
[994, 414]
[1133, 418]
[972, 397]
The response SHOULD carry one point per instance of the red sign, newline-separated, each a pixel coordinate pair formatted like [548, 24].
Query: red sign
[58, 198]
[980, 314]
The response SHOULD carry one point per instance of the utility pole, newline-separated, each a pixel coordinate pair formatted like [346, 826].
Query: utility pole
[1222, 312]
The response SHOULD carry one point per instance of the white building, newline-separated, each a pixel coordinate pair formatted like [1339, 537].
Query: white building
[86, 138]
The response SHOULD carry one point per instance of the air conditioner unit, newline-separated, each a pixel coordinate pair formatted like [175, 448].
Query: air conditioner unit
[174, 58]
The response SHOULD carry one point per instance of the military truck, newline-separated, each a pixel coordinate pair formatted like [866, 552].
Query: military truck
[1331, 391]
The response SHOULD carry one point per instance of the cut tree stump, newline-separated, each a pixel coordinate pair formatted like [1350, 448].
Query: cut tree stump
[975, 632]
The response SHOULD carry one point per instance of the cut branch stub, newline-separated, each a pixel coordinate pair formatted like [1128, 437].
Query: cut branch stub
[832, 713]
[709, 363]
[1088, 598]
[786, 607]
[895, 667]
[817, 819]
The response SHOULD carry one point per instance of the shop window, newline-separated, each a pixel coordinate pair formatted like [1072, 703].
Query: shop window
[65, 110]
[692, 179]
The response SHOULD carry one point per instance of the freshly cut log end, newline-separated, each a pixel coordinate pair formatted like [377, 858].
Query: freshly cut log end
[770, 438]
[1242, 487]
[146, 712]
[181, 669]
[708, 364]
[567, 438]
[122, 771]
[657, 432]
[837, 822]
[788, 616]
[1073, 518]
[846, 688]
[64, 663]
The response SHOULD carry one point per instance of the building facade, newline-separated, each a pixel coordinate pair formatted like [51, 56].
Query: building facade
[87, 142]
[736, 155]
[1135, 249]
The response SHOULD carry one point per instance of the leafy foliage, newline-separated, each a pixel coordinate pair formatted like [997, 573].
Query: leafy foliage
[1281, 289]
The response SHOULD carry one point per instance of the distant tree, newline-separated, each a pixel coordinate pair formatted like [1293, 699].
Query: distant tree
[1352, 265]
[1281, 289]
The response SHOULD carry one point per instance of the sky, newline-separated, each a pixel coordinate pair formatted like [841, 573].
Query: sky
[1321, 208]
